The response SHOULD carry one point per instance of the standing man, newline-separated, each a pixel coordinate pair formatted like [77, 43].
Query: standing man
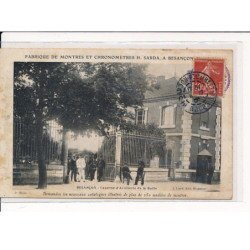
[87, 160]
[92, 166]
[140, 173]
[198, 177]
[80, 163]
[73, 168]
[201, 171]
[67, 180]
[204, 170]
[210, 173]
[126, 173]
[100, 168]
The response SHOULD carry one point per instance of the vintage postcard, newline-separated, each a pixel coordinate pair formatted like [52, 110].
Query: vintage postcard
[148, 124]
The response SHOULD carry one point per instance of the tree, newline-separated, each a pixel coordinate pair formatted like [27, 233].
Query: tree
[79, 96]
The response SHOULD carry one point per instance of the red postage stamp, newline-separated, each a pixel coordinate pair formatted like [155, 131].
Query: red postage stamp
[214, 68]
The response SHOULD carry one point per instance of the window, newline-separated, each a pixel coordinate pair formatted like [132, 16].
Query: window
[203, 144]
[140, 116]
[204, 121]
[168, 117]
[204, 124]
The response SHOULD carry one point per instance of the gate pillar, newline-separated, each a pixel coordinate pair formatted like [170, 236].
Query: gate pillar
[118, 153]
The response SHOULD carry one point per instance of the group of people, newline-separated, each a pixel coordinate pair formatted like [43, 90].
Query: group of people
[126, 173]
[88, 165]
[86, 168]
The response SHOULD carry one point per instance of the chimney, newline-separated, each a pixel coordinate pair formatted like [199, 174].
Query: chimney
[160, 79]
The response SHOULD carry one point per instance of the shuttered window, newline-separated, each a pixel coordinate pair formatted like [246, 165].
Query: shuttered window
[204, 120]
[140, 116]
[168, 116]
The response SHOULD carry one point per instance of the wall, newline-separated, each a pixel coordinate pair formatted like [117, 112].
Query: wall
[175, 135]
[211, 124]
[28, 175]
[154, 113]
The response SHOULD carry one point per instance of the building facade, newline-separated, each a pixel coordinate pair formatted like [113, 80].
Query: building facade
[187, 134]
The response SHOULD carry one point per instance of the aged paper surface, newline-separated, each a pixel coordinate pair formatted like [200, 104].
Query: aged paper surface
[116, 123]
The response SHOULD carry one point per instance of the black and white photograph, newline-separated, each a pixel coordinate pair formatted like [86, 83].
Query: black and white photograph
[127, 126]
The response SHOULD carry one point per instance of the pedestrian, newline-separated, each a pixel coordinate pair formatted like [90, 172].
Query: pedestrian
[80, 163]
[67, 179]
[210, 172]
[87, 172]
[204, 170]
[140, 173]
[100, 168]
[201, 171]
[126, 173]
[198, 172]
[73, 168]
[92, 166]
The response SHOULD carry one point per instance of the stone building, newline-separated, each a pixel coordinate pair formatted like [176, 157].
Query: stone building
[187, 134]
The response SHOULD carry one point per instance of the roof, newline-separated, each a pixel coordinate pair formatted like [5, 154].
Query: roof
[205, 152]
[164, 87]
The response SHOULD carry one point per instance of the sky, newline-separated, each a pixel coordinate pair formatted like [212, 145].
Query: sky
[168, 70]
[90, 143]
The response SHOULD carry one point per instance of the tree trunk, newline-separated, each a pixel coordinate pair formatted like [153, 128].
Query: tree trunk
[42, 182]
[65, 154]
